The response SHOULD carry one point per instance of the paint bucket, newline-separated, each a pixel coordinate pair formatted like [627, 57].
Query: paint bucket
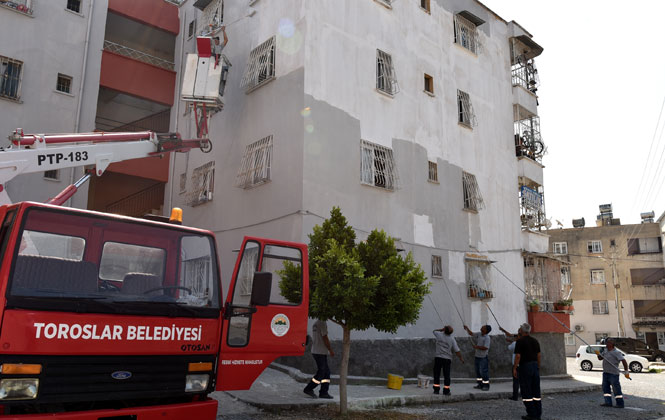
[423, 381]
[395, 381]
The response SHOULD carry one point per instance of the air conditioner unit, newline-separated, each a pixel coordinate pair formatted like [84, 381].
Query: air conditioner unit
[579, 327]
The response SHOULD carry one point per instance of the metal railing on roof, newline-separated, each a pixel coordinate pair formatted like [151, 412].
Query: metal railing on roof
[138, 55]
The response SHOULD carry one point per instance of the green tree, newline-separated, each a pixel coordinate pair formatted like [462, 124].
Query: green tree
[359, 286]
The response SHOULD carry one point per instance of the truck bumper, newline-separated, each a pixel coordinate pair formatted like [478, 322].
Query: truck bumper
[200, 410]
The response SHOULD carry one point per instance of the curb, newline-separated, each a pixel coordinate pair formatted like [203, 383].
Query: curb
[301, 377]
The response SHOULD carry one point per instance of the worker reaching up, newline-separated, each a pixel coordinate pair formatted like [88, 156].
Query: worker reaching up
[611, 358]
[445, 347]
[482, 348]
[218, 46]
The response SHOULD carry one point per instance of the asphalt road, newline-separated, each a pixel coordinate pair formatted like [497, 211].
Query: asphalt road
[644, 398]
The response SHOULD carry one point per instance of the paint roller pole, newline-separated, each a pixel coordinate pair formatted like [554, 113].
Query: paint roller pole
[250, 12]
[453, 300]
[493, 316]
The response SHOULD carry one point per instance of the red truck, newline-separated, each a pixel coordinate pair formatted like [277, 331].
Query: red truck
[106, 317]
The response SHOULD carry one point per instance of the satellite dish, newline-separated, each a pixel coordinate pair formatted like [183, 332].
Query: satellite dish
[558, 223]
[548, 223]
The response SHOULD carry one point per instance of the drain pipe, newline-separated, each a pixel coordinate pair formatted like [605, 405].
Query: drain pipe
[177, 107]
[83, 73]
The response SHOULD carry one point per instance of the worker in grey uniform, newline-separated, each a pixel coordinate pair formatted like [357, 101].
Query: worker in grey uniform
[482, 348]
[611, 358]
[445, 347]
[320, 349]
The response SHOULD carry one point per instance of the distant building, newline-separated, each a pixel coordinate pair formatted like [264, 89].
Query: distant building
[614, 263]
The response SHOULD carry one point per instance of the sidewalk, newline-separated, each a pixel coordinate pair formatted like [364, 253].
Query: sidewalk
[277, 390]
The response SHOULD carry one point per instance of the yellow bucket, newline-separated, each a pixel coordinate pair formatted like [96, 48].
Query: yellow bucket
[395, 381]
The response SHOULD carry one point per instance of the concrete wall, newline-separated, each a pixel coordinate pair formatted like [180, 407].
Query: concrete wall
[378, 358]
[580, 272]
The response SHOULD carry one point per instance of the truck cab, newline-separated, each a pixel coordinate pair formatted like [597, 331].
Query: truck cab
[105, 316]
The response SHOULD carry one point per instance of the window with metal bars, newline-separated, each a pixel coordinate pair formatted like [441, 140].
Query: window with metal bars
[478, 279]
[465, 113]
[256, 164]
[203, 183]
[74, 5]
[437, 270]
[10, 78]
[260, 67]
[386, 80]
[433, 170]
[466, 34]
[377, 166]
[472, 198]
[64, 84]
[212, 17]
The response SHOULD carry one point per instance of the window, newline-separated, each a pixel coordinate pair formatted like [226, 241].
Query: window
[429, 84]
[386, 80]
[21, 6]
[640, 336]
[647, 276]
[119, 260]
[599, 338]
[644, 246]
[203, 184]
[191, 29]
[433, 171]
[64, 84]
[183, 183]
[472, 198]
[594, 247]
[74, 5]
[377, 166]
[465, 114]
[256, 164]
[53, 174]
[478, 279]
[10, 78]
[437, 270]
[466, 34]
[570, 339]
[597, 276]
[560, 247]
[565, 275]
[52, 245]
[260, 67]
[212, 17]
[600, 307]
[424, 4]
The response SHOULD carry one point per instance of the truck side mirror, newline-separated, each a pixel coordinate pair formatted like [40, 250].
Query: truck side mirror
[261, 288]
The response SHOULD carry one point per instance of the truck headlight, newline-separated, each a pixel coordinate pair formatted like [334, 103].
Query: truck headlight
[19, 389]
[196, 383]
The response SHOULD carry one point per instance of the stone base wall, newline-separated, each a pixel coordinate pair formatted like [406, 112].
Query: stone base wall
[411, 357]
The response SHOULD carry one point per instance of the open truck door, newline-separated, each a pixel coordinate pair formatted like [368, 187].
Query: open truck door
[263, 321]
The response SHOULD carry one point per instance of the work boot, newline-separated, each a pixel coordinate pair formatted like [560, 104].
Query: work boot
[309, 392]
[485, 388]
[436, 390]
[479, 386]
[446, 391]
[326, 396]
[606, 405]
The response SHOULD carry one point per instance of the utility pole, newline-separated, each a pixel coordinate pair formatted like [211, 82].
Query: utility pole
[617, 293]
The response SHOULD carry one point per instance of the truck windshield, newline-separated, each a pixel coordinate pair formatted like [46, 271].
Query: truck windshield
[87, 263]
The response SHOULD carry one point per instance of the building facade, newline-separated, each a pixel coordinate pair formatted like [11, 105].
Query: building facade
[418, 118]
[91, 65]
[618, 281]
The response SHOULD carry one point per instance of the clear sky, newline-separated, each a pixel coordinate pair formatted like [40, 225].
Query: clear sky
[602, 77]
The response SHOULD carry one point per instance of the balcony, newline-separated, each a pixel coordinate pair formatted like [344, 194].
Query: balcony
[20, 6]
[528, 141]
[138, 55]
[532, 207]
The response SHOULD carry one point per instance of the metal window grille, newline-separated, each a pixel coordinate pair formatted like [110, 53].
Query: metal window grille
[523, 67]
[212, 17]
[437, 270]
[560, 247]
[478, 279]
[74, 5]
[528, 141]
[10, 78]
[465, 113]
[260, 66]
[53, 174]
[256, 164]
[386, 80]
[600, 307]
[466, 34]
[597, 276]
[473, 200]
[532, 207]
[377, 166]
[138, 55]
[203, 181]
[64, 84]
[433, 171]
[595, 247]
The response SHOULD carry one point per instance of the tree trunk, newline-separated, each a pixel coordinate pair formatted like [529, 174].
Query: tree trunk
[344, 369]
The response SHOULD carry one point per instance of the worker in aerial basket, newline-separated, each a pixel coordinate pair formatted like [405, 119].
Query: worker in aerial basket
[611, 358]
[218, 46]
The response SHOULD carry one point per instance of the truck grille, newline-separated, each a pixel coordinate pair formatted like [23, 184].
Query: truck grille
[88, 378]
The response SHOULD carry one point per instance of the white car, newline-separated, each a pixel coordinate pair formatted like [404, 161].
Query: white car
[586, 359]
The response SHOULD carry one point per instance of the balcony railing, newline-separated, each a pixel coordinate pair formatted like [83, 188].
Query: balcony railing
[525, 74]
[532, 208]
[528, 141]
[140, 203]
[138, 55]
[22, 6]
